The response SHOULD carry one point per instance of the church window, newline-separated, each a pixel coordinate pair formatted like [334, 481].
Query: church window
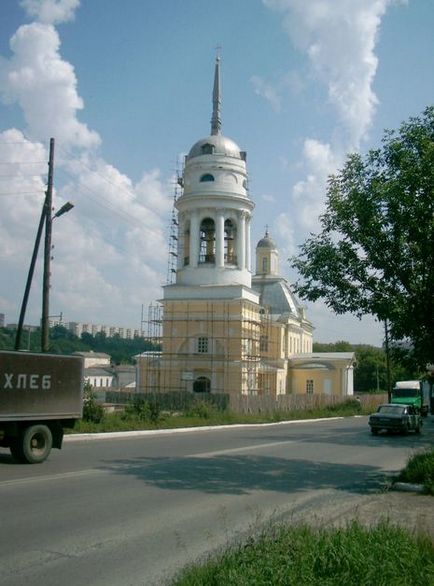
[207, 177]
[264, 264]
[207, 149]
[263, 343]
[207, 241]
[309, 386]
[230, 236]
[202, 345]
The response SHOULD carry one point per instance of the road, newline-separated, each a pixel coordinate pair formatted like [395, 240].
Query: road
[133, 510]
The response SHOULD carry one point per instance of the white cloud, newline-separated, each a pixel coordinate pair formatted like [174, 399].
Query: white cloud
[45, 87]
[110, 251]
[51, 11]
[267, 91]
[338, 38]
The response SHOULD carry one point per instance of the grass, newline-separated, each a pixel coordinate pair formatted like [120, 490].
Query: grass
[200, 415]
[302, 556]
[420, 470]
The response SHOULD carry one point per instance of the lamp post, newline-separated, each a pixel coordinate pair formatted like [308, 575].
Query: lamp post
[46, 218]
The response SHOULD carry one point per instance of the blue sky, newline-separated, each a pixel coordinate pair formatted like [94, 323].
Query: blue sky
[125, 89]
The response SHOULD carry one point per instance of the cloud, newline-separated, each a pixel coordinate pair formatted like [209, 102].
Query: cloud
[267, 91]
[51, 11]
[45, 87]
[110, 251]
[338, 38]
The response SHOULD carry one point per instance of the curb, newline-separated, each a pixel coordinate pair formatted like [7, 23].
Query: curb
[144, 432]
[408, 487]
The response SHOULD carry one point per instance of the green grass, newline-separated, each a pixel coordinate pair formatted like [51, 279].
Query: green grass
[302, 556]
[420, 470]
[201, 415]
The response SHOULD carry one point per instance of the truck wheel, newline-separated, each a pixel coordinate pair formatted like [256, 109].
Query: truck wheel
[37, 441]
[417, 429]
[374, 431]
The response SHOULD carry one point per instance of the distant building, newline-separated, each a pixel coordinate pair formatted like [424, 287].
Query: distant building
[78, 328]
[2, 320]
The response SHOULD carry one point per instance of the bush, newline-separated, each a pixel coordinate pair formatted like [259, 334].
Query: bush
[201, 409]
[420, 469]
[92, 411]
[143, 410]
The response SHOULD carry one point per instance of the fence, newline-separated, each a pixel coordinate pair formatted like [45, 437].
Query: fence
[240, 404]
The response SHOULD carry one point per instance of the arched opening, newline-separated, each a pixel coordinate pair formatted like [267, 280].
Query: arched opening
[202, 385]
[230, 239]
[207, 241]
[187, 245]
[207, 177]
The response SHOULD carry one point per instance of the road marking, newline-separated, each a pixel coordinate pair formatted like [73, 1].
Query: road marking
[50, 477]
[242, 449]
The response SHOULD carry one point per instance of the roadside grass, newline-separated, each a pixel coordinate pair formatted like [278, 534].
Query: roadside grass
[384, 555]
[145, 416]
[420, 470]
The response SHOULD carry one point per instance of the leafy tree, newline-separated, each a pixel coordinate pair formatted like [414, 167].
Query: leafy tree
[375, 252]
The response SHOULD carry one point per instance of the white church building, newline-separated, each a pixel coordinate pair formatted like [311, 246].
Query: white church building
[220, 327]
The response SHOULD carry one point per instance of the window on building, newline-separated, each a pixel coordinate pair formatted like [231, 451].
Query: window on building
[265, 264]
[263, 344]
[230, 239]
[309, 386]
[202, 345]
[207, 149]
[207, 241]
[207, 177]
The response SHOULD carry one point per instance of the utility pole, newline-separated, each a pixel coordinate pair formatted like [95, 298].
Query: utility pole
[386, 340]
[47, 252]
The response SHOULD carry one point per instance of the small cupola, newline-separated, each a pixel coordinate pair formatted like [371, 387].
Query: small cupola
[267, 257]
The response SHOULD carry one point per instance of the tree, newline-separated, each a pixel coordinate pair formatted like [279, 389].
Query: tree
[375, 252]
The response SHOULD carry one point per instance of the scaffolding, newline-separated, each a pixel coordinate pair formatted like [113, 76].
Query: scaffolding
[218, 346]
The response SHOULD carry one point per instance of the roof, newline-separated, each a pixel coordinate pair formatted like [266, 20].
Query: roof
[219, 145]
[92, 354]
[275, 293]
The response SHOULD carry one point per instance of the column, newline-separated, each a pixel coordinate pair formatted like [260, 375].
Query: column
[194, 239]
[220, 239]
[248, 244]
[241, 240]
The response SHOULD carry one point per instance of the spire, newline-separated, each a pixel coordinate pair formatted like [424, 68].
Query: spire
[216, 100]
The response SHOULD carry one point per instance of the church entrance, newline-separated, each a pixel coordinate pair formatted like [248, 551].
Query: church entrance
[202, 385]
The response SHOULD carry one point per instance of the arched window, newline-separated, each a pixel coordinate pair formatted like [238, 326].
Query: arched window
[202, 385]
[230, 238]
[207, 177]
[207, 241]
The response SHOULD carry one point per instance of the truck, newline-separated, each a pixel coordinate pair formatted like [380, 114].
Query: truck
[412, 392]
[41, 395]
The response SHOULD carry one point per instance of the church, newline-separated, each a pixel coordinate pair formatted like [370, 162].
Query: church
[220, 328]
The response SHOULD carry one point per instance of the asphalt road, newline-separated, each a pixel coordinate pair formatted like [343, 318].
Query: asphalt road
[133, 510]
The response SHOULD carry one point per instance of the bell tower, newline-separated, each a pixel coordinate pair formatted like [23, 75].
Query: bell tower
[211, 317]
[214, 210]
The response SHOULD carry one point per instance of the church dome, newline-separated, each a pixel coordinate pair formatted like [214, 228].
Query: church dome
[216, 145]
[266, 242]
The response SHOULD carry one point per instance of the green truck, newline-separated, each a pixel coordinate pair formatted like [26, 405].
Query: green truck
[412, 392]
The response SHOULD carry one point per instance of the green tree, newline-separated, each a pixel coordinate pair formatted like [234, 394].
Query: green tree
[375, 252]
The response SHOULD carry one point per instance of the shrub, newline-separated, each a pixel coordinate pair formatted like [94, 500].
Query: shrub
[92, 411]
[420, 469]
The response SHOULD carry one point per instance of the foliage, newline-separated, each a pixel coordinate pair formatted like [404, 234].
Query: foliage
[370, 372]
[62, 341]
[143, 409]
[92, 411]
[301, 556]
[420, 469]
[201, 409]
[375, 253]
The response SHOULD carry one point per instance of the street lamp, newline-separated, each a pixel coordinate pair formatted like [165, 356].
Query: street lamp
[46, 218]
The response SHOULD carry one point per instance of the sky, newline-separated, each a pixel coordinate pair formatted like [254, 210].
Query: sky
[125, 90]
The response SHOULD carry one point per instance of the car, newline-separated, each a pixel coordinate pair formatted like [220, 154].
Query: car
[398, 418]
